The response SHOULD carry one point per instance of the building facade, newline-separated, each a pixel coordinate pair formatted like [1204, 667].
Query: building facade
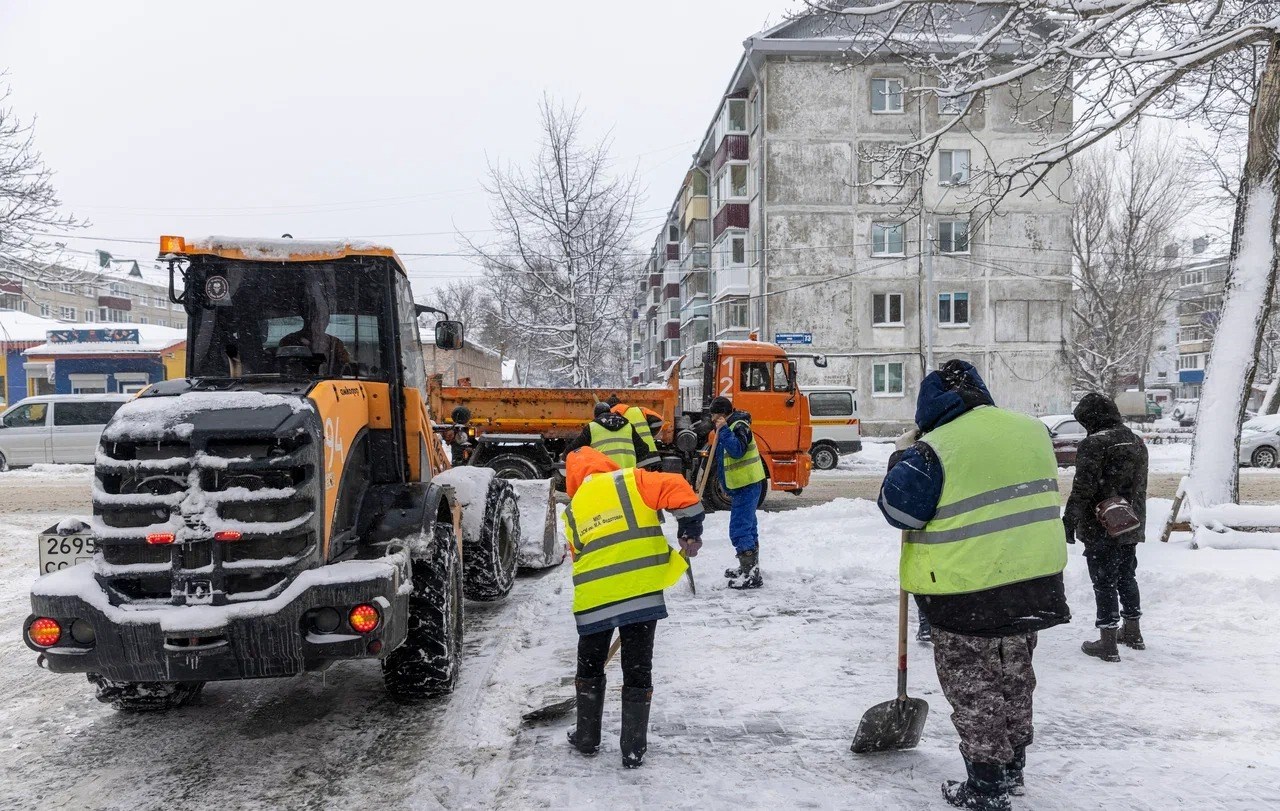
[123, 293]
[1199, 302]
[797, 230]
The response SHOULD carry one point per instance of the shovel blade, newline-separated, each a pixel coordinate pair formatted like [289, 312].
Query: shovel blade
[890, 726]
[550, 712]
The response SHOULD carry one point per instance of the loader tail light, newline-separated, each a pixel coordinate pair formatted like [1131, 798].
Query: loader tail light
[161, 538]
[45, 632]
[228, 535]
[363, 618]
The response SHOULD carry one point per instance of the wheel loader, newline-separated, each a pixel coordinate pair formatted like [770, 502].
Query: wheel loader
[288, 504]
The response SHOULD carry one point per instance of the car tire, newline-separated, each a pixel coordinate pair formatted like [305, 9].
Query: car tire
[489, 568]
[145, 696]
[514, 466]
[825, 457]
[1265, 457]
[427, 664]
[4, 463]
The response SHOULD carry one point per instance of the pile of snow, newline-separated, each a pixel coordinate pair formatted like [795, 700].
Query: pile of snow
[283, 249]
[43, 471]
[873, 459]
[156, 417]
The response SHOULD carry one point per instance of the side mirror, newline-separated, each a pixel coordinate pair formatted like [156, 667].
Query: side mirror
[820, 361]
[449, 335]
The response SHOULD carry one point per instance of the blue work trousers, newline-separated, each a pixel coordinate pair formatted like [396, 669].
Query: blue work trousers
[743, 531]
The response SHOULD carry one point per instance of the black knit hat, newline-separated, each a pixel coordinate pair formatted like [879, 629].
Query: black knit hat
[601, 408]
[721, 405]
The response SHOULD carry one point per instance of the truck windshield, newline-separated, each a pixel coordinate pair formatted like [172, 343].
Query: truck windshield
[300, 320]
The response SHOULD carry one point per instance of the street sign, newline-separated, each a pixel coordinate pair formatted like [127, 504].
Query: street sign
[793, 338]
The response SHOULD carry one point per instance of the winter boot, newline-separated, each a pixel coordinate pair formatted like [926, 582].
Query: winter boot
[1013, 780]
[1131, 635]
[635, 725]
[983, 791]
[586, 737]
[924, 632]
[749, 576]
[1104, 648]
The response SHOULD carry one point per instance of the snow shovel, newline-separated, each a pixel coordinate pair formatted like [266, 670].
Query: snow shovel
[560, 709]
[895, 724]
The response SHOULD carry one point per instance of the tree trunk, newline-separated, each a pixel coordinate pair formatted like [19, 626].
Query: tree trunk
[1215, 475]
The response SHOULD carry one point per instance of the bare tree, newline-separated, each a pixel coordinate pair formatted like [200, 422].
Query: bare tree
[1130, 200]
[561, 266]
[466, 300]
[1077, 72]
[29, 208]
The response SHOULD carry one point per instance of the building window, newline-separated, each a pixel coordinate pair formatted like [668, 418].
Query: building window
[1191, 362]
[67, 288]
[886, 309]
[44, 310]
[738, 251]
[731, 183]
[1187, 335]
[1192, 277]
[67, 313]
[90, 316]
[953, 105]
[953, 167]
[953, 236]
[886, 380]
[886, 95]
[732, 315]
[757, 116]
[142, 319]
[953, 309]
[673, 233]
[736, 116]
[887, 239]
[882, 174]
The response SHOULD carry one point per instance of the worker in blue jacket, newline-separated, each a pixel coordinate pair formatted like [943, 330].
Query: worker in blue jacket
[742, 474]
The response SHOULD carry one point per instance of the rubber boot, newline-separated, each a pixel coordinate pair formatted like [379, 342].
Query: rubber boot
[1105, 648]
[983, 791]
[1013, 780]
[586, 736]
[924, 631]
[1131, 635]
[749, 577]
[735, 571]
[635, 725]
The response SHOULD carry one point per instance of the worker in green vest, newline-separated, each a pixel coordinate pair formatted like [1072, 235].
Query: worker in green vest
[742, 474]
[621, 566]
[612, 435]
[647, 424]
[975, 489]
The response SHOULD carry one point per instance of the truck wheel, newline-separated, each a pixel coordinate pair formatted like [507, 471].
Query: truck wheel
[490, 560]
[715, 497]
[427, 664]
[145, 696]
[514, 466]
[4, 463]
[824, 457]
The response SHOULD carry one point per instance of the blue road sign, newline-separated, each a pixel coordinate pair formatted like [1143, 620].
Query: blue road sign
[793, 338]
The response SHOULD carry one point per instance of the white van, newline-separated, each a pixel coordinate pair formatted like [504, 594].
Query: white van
[833, 413]
[58, 428]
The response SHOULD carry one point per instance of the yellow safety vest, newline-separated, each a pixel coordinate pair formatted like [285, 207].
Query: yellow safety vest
[617, 445]
[746, 469]
[621, 561]
[998, 519]
[635, 416]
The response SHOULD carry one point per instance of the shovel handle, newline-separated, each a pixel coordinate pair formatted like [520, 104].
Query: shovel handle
[902, 645]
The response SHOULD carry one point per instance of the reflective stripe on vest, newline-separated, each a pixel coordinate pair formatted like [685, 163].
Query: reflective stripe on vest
[998, 520]
[620, 557]
[636, 417]
[746, 469]
[617, 445]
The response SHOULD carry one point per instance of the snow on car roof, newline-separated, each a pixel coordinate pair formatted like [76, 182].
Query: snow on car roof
[1267, 422]
[1053, 419]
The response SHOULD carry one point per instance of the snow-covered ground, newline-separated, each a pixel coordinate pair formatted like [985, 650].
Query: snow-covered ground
[756, 700]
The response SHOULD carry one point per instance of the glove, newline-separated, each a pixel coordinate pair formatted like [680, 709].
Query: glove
[907, 438]
[1071, 532]
[689, 546]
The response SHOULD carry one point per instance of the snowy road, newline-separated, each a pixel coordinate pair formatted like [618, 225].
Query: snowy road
[757, 696]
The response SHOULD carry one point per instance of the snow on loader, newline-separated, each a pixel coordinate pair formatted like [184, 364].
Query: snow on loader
[288, 504]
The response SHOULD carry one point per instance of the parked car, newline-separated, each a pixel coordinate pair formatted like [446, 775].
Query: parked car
[59, 428]
[1067, 433]
[833, 414]
[1184, 411]
[1260, 442]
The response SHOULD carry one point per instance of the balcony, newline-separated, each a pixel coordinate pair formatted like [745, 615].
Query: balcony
[115, 303]
[697, 208]
[731, 215]
[698, 259]
[11, 286]
[673, 251]
[732, 148]
[732, 281]
[694, 310]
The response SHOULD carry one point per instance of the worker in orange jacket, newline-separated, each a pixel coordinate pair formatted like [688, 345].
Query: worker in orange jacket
[621, 566]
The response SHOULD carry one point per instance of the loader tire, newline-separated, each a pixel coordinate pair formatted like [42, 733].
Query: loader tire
[145, 696]
[427, 664]
[489, 568]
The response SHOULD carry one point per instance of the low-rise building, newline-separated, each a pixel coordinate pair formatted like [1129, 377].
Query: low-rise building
[105, 358]
[122, 293]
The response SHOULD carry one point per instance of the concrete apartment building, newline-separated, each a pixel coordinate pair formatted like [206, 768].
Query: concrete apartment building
[781, 226]
[124, 293]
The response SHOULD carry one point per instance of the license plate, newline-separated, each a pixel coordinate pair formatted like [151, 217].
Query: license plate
[64, 551]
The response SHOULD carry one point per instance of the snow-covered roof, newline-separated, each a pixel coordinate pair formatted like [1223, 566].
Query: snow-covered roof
[283, 249]
[19, 327]
[152, 338]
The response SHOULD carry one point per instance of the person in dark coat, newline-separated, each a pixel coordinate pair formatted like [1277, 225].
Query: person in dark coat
[610, 421]
[969, 458]
[1111, 461]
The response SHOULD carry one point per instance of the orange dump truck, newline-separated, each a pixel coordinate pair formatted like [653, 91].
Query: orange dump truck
[522, 432]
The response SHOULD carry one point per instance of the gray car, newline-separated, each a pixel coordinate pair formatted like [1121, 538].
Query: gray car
[1260, 442]
[55, 428]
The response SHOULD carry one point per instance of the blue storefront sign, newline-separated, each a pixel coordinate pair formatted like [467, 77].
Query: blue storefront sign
[1191, 376]
[793, 338]
[93, 336]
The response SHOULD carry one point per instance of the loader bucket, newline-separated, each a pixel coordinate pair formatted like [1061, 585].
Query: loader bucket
[540, 544]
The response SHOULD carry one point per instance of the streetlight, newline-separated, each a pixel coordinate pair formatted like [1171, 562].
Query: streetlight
[928, 272]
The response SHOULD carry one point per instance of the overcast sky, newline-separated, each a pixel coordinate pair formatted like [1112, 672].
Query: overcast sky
[327, 119]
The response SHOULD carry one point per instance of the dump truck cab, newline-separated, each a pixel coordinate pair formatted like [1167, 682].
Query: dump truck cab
[285, 505]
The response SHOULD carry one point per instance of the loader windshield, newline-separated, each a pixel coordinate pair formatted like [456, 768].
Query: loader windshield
[313, 320]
